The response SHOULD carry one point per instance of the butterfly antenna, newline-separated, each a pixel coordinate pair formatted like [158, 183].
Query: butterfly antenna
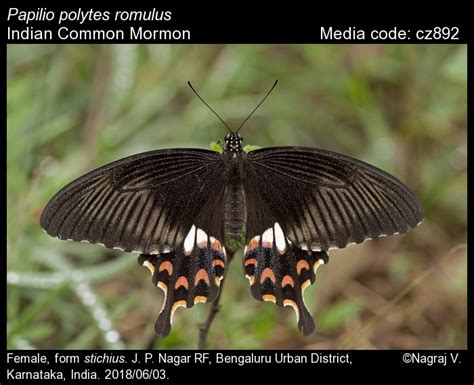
[208, 106]
[258, 105]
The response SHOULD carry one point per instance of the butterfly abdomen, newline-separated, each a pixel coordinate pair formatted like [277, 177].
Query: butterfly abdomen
[234, 211]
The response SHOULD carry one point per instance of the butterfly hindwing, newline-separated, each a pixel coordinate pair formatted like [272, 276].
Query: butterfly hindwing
[279, 272]
[188, 275]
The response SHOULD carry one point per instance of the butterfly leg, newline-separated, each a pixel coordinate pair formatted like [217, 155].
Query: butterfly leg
[279, 272]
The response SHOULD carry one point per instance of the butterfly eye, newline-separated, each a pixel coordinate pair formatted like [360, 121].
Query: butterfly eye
[240, 137]
[227, 137]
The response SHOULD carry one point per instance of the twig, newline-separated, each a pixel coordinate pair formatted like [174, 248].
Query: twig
[150, 345]
[204, 327]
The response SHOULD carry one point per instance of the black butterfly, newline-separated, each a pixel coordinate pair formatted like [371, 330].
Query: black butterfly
[177, 207]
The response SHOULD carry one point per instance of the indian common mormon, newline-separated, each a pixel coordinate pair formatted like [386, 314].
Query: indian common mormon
[180, 208]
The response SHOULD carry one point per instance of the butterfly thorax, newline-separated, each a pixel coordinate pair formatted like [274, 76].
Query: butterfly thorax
[233, 142]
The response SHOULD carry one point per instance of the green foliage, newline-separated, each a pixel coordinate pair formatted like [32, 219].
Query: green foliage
[334, 317]
[71, 108]
[216, 146]
[251, 147]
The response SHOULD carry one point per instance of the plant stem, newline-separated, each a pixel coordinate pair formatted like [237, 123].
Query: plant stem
[152, 342]
[204, 327]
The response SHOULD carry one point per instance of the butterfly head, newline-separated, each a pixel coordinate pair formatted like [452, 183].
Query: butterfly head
[233, 142]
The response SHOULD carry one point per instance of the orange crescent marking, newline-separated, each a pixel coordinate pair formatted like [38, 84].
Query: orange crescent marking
[267, 273]
[218, 280]
[289, 302]
[181, 281]
[318, 263]
[200, 298]
[287, 280]
[251, 279]
[180, 303]
[163, 286]
[305, 284]
[201, 274]
[149, 266]
[302, 264]
[252, 244]
[269, 298]
[218, 262]
[166, 266]
[251, 261]
[176, 305]
[216, 245]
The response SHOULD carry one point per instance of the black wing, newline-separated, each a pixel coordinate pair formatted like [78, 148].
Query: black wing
[144, 203]
[326, 200]
[166, 205]
[302, 202]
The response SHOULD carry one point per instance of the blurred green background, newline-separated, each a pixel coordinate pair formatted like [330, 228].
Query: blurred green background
[402, 108]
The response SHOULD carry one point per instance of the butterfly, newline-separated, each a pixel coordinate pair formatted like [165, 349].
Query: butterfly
[179, 208]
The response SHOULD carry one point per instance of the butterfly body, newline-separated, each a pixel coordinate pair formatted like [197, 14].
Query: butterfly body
[178, 207]
[234, 208]
[234, 211]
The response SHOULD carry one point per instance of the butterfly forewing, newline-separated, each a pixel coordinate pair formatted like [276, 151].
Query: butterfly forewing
[145, 203]
[327, 200]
